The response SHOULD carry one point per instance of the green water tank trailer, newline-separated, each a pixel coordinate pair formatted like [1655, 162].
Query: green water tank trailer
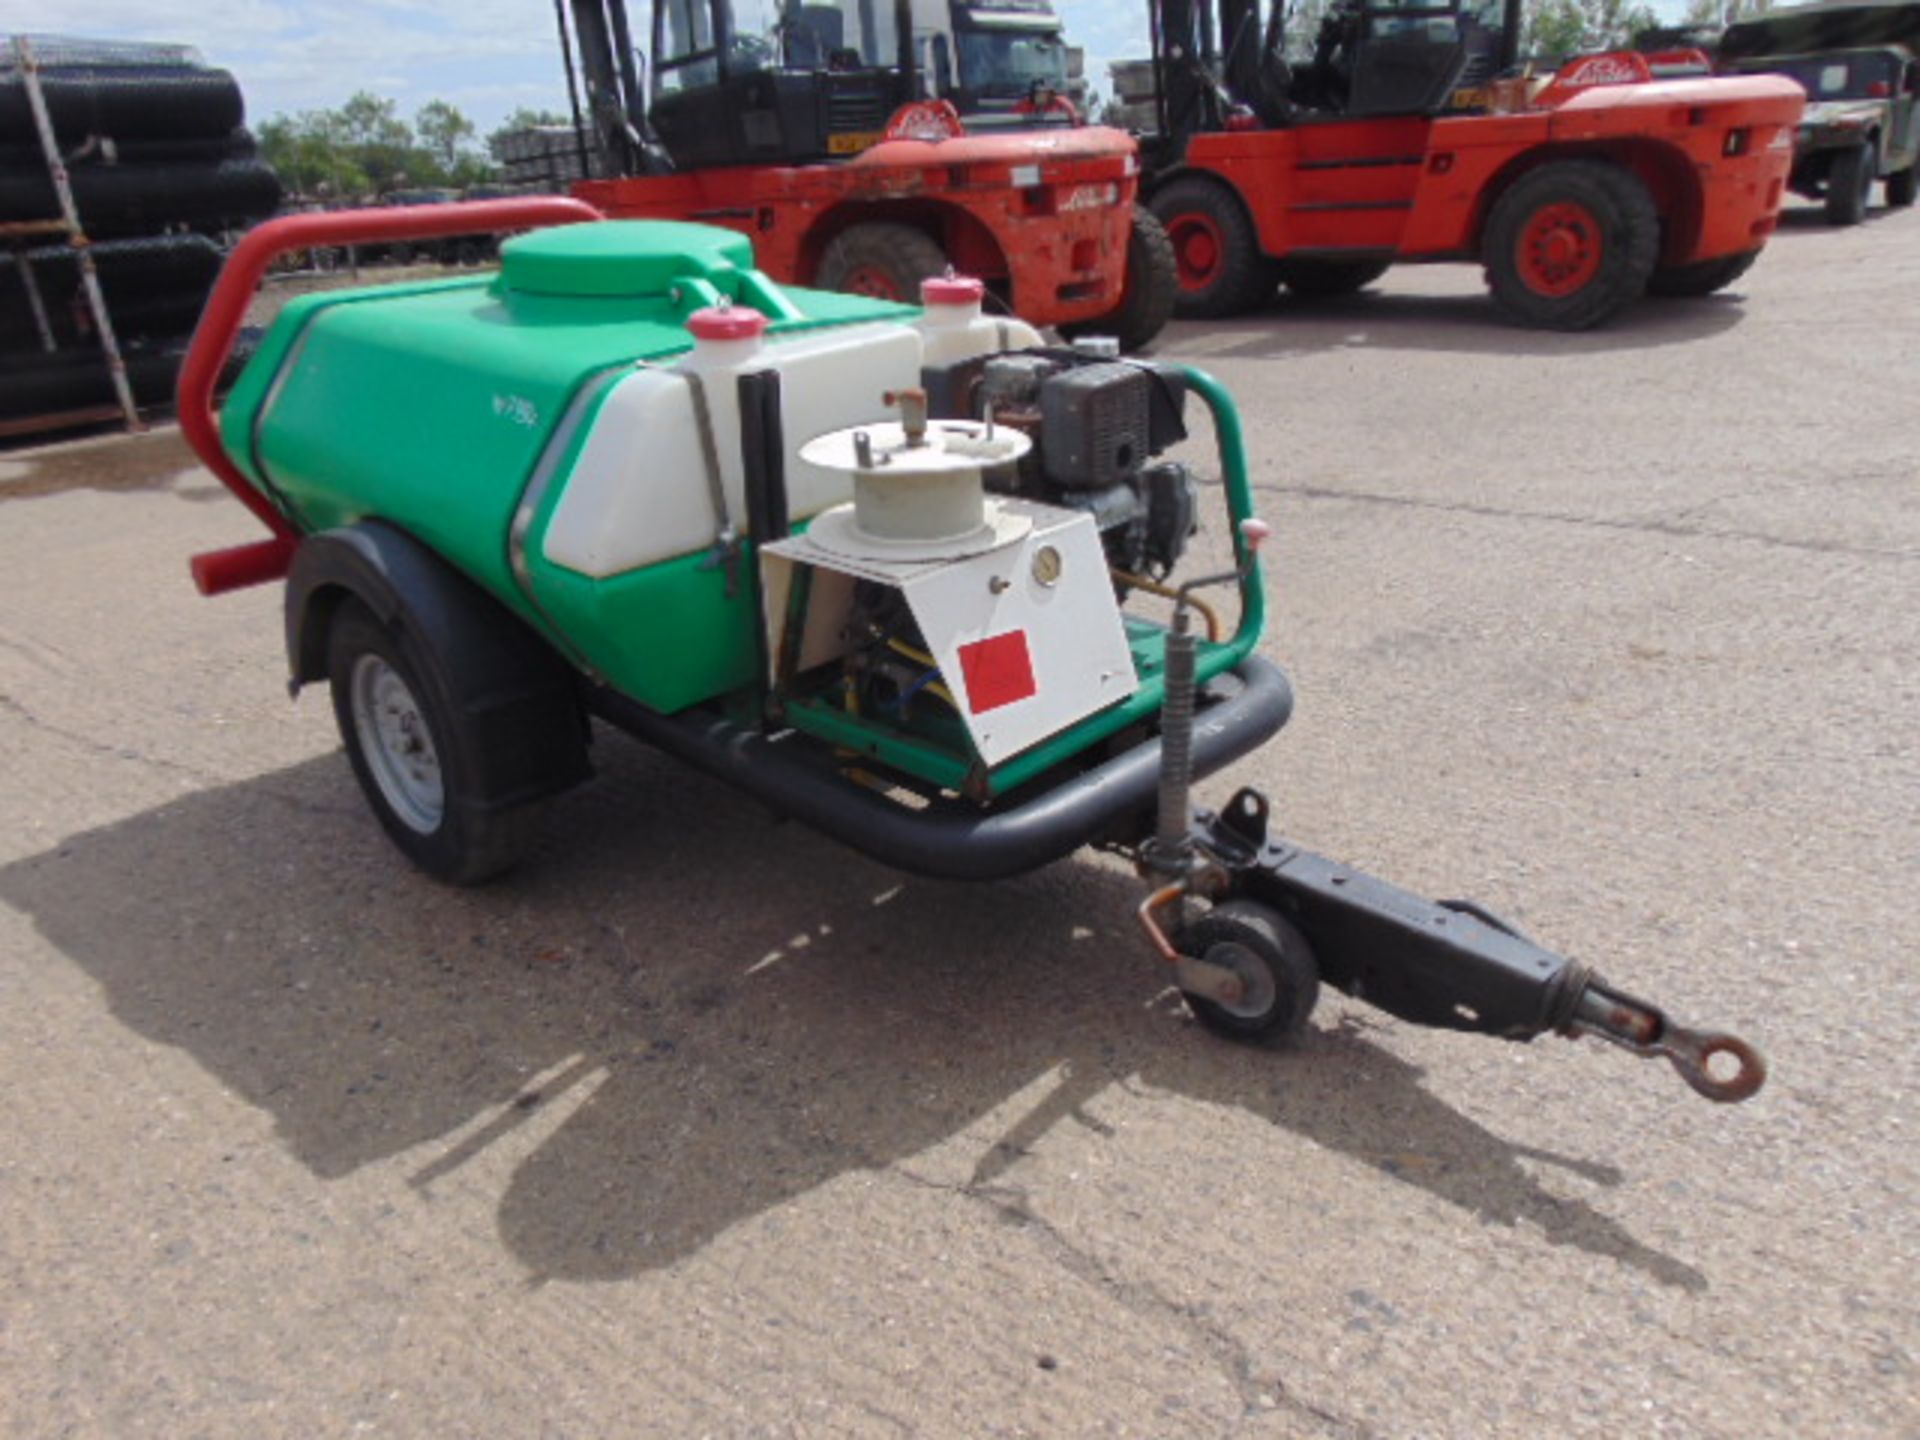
[902, 572]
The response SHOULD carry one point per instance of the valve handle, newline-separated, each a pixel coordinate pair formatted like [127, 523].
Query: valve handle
[1255, 532]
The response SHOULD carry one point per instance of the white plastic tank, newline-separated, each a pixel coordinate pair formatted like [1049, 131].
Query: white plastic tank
[955, 326]
[639, 493]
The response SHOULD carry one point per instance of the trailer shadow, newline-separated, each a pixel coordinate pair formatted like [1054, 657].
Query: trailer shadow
[1381, 319]
[713, 1015]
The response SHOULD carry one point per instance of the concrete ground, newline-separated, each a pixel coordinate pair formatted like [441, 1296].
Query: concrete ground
[705, 1126]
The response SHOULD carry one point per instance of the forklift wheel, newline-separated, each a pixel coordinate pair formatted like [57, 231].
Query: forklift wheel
[886, 262]
[1324, 279]
[1684, 281]
[414, 756]
[1570, 244]
[1272, 960]
[1220, 266]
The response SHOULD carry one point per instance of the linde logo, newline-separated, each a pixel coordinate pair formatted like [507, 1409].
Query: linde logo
[1603, 70]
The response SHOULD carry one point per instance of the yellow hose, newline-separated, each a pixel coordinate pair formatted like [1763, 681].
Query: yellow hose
[900, 647]
[1167, 592]
[920, 657]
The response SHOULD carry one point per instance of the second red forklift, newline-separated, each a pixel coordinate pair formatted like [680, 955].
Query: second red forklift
[1411, 135]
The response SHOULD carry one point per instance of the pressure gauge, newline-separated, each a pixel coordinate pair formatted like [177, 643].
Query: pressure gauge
[1046, 565]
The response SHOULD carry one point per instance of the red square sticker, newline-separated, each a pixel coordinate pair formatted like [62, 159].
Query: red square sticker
[997, 671]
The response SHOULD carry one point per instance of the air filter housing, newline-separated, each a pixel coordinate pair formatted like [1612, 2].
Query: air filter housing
[1096, 426]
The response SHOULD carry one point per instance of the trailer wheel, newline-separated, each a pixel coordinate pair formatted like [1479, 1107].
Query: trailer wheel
[1703, 278]
[1324, 279]
[1900, 187]
[887, 262]
[1850, 184]
[412, 754]
[1273, 961]
[1571, 244]
[1146, 304]
[1217, 258]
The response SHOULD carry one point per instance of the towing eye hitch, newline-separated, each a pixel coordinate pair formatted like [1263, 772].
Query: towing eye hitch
[1445, 963]
[1634, 1025]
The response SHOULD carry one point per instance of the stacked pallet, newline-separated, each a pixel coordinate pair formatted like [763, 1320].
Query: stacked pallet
[1135, 96]
[160, 169]
[543, 157]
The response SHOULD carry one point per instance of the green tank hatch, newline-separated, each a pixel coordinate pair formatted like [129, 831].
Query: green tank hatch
[621, 258]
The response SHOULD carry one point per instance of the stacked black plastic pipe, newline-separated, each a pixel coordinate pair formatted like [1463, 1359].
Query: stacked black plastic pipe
[162, 169]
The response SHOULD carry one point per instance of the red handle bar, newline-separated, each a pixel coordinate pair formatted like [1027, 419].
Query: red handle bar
[219, 570]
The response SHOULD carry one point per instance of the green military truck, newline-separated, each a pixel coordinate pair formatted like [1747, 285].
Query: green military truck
[1857, 64]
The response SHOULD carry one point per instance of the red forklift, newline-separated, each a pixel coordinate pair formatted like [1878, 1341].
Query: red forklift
[824, 131]
[1409, 134]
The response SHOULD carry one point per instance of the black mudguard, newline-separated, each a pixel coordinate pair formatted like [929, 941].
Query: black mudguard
[518, 697]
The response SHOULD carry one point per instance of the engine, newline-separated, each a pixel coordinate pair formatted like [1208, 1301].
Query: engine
[1098, 425]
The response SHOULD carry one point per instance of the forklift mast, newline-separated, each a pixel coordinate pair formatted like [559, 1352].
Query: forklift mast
[616, 104]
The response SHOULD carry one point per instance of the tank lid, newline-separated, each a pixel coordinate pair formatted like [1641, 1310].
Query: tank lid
[620, 258]
[726, 322]
[952, 289]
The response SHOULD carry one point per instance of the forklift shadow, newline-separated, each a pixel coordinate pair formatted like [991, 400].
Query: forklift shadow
[679, 1017]
[1468, 324]
[1810, 218]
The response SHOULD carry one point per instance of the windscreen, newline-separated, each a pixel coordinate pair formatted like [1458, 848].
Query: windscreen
[775, 35]
[1006, 64]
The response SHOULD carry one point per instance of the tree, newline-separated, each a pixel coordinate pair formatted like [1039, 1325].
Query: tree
[311, 157]
[1557, 29]
[446, 132]
[364, 148]
[1725, 12]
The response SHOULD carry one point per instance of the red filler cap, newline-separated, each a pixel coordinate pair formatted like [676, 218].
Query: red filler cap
[727, 322]
[951, 289]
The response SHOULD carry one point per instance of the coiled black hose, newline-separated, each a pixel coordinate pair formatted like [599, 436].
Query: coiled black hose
[138, 199]
[147, 103]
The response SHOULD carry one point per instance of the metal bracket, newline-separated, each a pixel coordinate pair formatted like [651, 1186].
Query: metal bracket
[726, 544]
[1209, 981]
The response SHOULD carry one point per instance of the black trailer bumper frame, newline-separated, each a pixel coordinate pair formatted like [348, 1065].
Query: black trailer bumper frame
[1111, 802]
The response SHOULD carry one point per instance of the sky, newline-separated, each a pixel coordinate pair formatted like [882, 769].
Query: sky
[489, 57]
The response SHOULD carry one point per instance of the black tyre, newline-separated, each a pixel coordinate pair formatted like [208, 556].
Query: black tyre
[1273, 961]
[1701, 279]
[1900, 187]
[414, 755]
[1571, 244]
[1218, 265]
[1323, 279]
[885, 261]
[1850, 184]
[1147, 303]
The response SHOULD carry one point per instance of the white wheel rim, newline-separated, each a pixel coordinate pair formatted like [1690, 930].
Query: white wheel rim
[398, 745]
[1255, 975]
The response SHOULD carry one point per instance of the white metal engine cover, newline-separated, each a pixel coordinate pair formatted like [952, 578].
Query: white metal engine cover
[1027, 635]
